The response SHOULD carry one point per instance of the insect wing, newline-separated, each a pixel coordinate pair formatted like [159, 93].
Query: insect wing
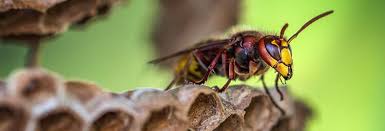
[202, 46]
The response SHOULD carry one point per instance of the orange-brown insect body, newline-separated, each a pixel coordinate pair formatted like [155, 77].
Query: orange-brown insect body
[247, 61]
[241, 56]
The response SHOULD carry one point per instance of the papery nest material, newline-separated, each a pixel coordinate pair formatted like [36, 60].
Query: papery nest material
[36, 19]
[76, 105]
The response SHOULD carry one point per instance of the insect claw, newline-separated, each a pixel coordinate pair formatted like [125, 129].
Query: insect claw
[216, 89]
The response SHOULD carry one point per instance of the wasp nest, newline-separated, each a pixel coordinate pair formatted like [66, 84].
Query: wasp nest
[34, 99]
[31, 19]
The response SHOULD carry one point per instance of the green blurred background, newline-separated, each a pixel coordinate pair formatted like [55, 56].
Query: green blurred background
[338, 69]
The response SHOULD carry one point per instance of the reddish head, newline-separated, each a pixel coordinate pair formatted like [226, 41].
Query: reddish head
[276, 51]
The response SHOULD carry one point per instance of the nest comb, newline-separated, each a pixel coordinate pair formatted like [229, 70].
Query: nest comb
[36, 19]
[35, 99]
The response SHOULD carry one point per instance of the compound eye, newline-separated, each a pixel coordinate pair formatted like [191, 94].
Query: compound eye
[273, 51]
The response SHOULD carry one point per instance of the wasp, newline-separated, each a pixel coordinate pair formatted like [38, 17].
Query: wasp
[242, 55]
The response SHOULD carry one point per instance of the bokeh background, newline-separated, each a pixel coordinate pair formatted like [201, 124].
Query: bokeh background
[339, 60]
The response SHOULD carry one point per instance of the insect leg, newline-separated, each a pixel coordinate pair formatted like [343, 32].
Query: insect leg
[171, 83]
[211, 67]
[224, 64]
[270, 96]
[277, 88]
[231, 75]
[183, 73]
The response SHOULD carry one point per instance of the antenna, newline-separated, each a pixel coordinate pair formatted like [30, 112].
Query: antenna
[309, 23]
[283, 30]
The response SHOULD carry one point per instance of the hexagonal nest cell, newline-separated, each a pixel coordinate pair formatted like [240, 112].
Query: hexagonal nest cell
[164, 120]
[205, 107]
[258, 113]
[60, 120]
[12, 118]
[84, 92]
[232, 123]
[34, 85]
[189, 107]
[112, 120]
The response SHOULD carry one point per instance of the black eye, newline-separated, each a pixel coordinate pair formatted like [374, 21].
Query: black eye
[273, 51]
